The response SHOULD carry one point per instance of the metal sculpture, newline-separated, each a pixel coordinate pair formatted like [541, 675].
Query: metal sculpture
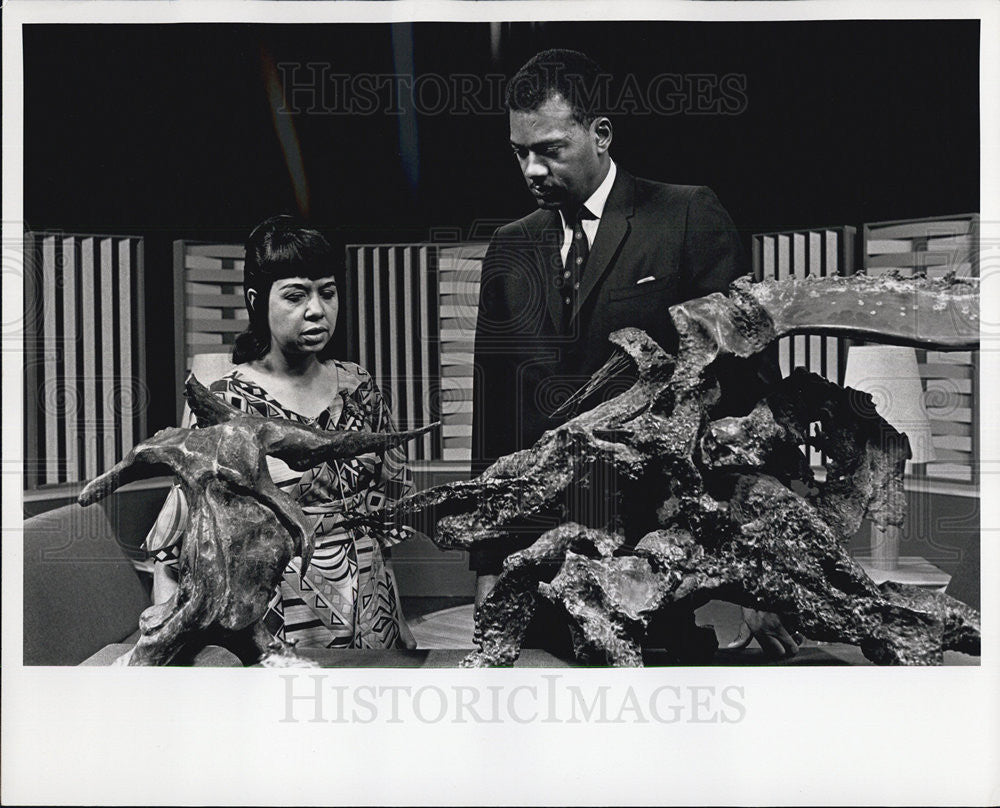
[242, 529]
[730, 523]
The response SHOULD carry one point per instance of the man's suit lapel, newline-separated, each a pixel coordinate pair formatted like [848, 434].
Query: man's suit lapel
[611, 232]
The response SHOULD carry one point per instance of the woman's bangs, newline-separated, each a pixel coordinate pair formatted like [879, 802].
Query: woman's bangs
[292, 260]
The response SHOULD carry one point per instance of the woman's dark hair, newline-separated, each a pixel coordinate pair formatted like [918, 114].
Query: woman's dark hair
[279, 247]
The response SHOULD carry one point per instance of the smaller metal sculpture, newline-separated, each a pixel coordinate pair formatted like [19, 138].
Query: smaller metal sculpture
[242, 529]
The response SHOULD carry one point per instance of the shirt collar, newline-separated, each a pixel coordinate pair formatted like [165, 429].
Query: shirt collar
[595, 204]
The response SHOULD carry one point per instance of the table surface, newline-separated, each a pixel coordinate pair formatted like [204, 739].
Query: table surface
[811, 654]
[912, 570]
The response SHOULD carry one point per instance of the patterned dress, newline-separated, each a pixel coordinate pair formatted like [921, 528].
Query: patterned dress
[347, 599]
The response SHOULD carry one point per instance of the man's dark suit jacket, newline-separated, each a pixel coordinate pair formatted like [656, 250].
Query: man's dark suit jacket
[680, 235]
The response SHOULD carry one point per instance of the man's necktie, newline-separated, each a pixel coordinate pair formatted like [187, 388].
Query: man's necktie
[576, 260]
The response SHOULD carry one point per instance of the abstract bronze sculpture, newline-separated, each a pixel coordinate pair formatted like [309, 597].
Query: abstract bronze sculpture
[731, 525]
[738, 514]
[242, 529]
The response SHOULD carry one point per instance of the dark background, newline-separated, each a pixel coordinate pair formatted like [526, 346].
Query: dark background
[167, 132]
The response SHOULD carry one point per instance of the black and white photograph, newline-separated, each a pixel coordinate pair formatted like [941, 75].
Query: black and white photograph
[499, 403]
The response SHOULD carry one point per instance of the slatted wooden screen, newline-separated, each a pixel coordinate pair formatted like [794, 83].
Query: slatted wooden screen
[393, 331]
[805, 253]
[937, 246]
[459, 270]
[208, 303]
[85, 367]
[412, 325]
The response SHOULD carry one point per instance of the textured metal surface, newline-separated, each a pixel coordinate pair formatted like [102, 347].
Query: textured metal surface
[740, 516]
[242, 529]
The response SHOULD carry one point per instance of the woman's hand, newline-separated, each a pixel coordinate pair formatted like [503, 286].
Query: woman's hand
[766, 627]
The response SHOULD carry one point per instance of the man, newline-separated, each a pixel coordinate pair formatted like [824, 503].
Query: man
[603, 251]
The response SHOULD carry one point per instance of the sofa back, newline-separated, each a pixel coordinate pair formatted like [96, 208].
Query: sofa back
[80, 591]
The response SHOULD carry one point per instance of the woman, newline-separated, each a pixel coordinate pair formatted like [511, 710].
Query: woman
[285, 370]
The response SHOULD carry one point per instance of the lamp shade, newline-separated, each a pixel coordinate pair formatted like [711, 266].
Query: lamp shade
[889, 374]
[209, 367]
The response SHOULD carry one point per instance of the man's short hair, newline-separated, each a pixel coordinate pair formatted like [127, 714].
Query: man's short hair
[569, 73]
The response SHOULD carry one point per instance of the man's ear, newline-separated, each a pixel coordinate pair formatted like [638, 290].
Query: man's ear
[600, 128]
